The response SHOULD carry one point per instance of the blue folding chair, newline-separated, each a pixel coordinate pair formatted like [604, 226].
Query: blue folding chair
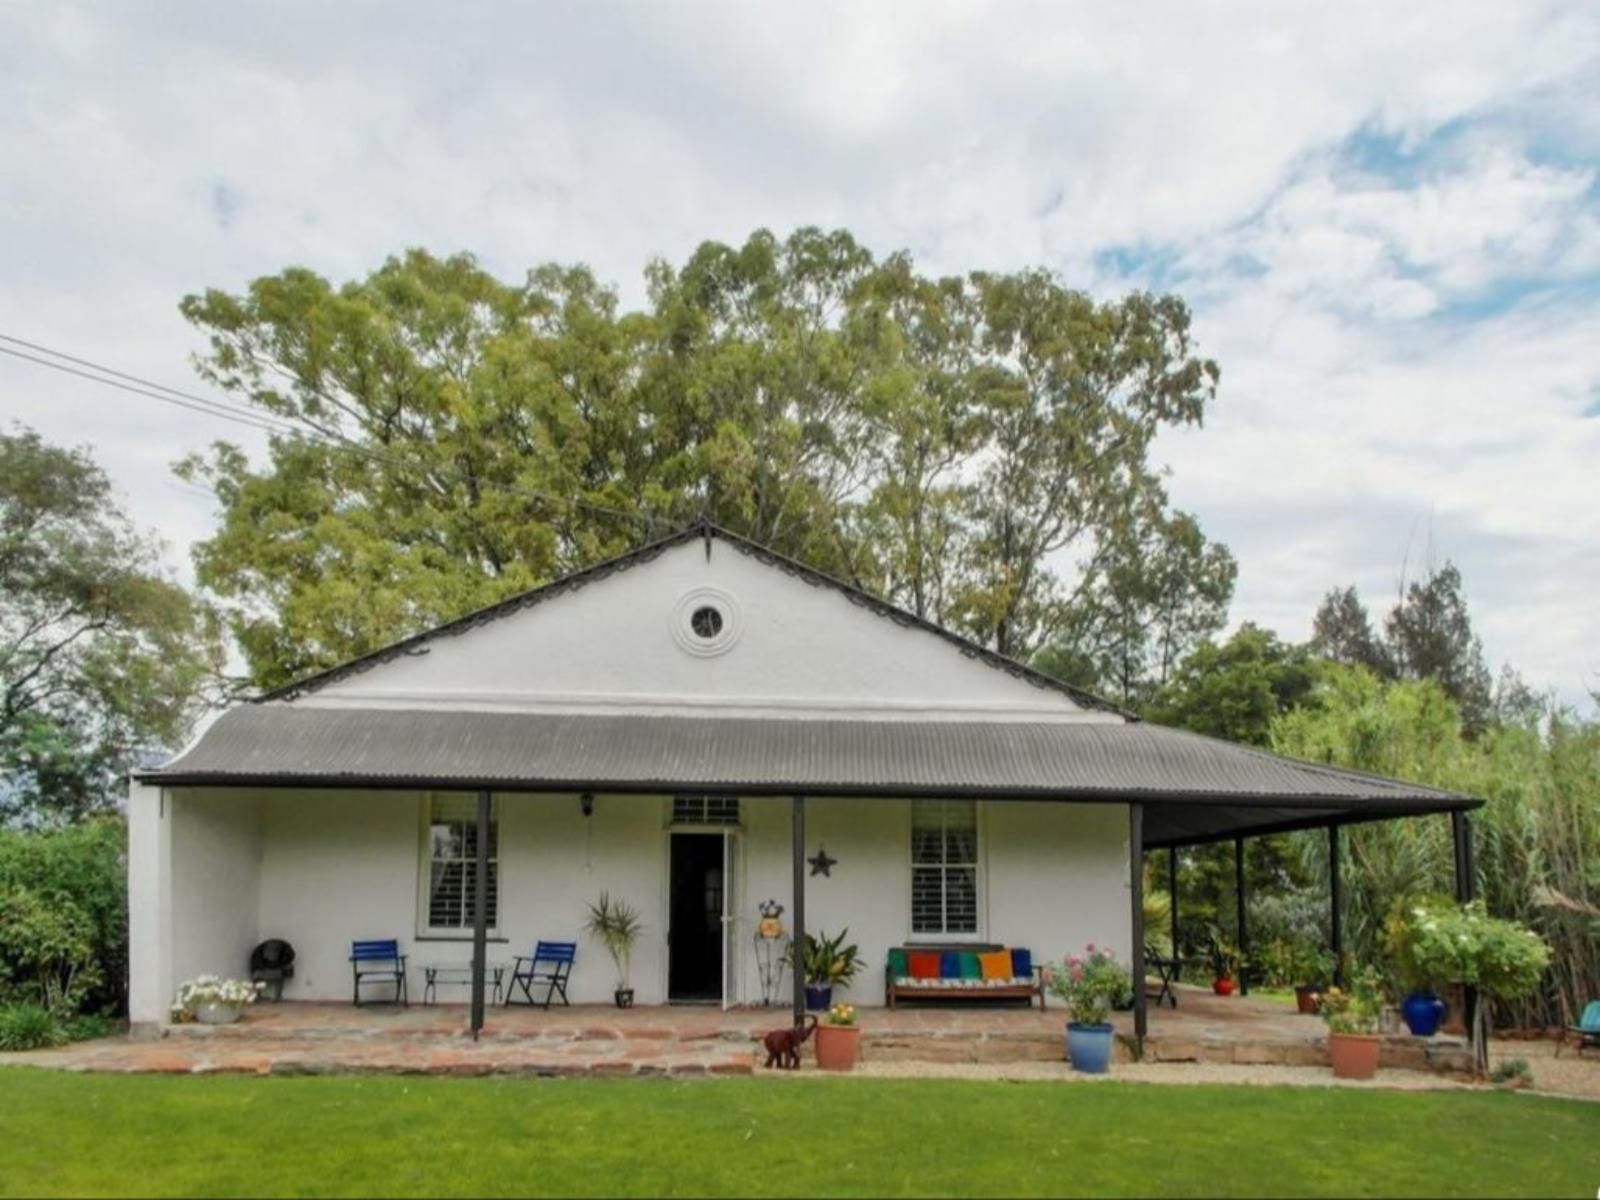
[379, 962]
[550, 964]
[1587, 1031]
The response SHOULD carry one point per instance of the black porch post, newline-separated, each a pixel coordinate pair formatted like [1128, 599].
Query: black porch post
[1136, 893]
[799, 943]
[1466, 891]
[1243, 919]
[1172, 893]
[480, 912]
[1335, 907]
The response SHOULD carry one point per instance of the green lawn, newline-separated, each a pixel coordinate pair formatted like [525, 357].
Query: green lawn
[147, 1135]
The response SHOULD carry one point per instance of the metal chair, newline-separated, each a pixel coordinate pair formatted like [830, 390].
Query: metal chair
[1587, 1031]
[271, 963]
[380, 961]
[556, 958]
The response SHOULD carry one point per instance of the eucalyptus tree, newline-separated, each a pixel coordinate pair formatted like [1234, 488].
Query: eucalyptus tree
[103, 658]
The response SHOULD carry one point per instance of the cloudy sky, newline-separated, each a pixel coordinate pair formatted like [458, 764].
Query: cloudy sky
[1386, 216]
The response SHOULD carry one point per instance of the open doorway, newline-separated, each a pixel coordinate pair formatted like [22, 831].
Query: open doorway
[694, 915]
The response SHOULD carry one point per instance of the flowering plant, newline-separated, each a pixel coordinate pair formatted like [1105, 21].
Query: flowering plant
[210, 989]
[841, 1014]
[1355, 1010]
[1089, 984]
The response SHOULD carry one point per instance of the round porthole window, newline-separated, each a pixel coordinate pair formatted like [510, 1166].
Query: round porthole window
[706, 622]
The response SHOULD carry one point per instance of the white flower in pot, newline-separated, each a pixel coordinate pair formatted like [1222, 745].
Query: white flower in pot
[211, 1000]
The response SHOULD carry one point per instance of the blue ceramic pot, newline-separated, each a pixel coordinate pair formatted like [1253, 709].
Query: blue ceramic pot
[1423, 1012]
[819, 997]
[1089, 1047]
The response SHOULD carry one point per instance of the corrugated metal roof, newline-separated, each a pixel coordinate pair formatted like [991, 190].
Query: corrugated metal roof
[1191, 782]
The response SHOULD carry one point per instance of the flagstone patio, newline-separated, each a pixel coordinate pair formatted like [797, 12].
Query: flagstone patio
[305, 1038]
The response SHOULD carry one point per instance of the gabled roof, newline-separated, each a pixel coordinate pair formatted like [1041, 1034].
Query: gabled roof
[709, 532]
[1193, 788]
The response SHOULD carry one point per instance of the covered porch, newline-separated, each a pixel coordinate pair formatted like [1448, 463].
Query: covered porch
[281, 823]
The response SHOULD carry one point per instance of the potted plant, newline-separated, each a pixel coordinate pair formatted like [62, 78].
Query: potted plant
[1314, 969]
[1224, 963]
[615, 925]
[828, 962]
[211, 1000]
[1090, 984]
[839, 1039]
[1352, 1019]
[1414, 957]
[1463, 944]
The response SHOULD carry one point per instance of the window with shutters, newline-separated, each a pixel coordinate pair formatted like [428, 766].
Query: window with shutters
[705, 810]
[944, 868]
[449, 862]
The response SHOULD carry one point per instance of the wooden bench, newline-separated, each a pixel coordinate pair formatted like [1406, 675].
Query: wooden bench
[960, 989]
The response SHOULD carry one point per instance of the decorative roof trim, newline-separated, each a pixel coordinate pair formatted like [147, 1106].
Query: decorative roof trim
[648, 553]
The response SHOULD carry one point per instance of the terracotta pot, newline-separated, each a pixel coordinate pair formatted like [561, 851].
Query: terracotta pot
[1354, 1055]
[1222, 987]
[838, 1047]
[1308, 999]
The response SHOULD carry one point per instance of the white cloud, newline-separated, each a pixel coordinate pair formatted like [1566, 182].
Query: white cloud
[1403, 342]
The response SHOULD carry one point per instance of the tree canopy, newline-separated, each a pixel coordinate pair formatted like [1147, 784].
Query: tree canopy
[976, 448]
[102, 658]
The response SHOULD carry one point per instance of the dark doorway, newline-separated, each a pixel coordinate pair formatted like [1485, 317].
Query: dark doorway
[694, 951]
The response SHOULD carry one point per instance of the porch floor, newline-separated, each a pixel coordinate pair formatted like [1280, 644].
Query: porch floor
[320, 1038]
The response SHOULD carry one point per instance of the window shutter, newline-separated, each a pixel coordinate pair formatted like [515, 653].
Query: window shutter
[452, 861]
[944, 867]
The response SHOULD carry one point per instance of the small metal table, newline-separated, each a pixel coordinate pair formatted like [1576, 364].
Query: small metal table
[433, 974]
[1169, 971]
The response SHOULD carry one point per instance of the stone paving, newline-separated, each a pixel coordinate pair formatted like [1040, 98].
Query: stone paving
[313, 1038]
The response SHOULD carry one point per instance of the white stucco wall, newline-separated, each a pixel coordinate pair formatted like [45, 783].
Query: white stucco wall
[324, 868]
[216, 853]
[149, 905]
[801, 650]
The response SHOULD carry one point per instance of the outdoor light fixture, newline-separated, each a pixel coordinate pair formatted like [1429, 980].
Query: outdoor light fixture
[587, 801]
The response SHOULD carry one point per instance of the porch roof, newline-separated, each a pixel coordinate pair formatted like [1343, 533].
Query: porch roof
[1194, 788]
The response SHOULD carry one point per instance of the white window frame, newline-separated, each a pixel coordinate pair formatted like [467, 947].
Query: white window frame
[461, 933]
[979, 935]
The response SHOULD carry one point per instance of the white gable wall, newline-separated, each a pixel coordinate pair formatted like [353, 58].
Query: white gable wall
[801, 650]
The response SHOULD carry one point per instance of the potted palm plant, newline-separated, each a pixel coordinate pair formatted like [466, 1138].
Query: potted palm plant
[828, 962]
[839, 1039]
[615, 925]
[1090, 984]
[1352, 1019]
[1224, 963]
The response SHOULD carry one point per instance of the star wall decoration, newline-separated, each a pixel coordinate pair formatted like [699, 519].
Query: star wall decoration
[821, 864]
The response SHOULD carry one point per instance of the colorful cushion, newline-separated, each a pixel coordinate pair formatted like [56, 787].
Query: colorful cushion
[969, 966]
[1022, 963]
[898, 967]
[995, 965]
[924, 964]
[949, 965]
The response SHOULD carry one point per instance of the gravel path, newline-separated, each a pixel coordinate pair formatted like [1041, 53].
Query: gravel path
[1567, 1076]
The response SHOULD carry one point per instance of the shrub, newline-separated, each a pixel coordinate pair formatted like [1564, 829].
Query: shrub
[86, 864]
[86, 1027]
[29, 1027]
[46, 950]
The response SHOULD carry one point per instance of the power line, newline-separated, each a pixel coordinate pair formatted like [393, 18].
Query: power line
[267, 423]
[221, 406]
